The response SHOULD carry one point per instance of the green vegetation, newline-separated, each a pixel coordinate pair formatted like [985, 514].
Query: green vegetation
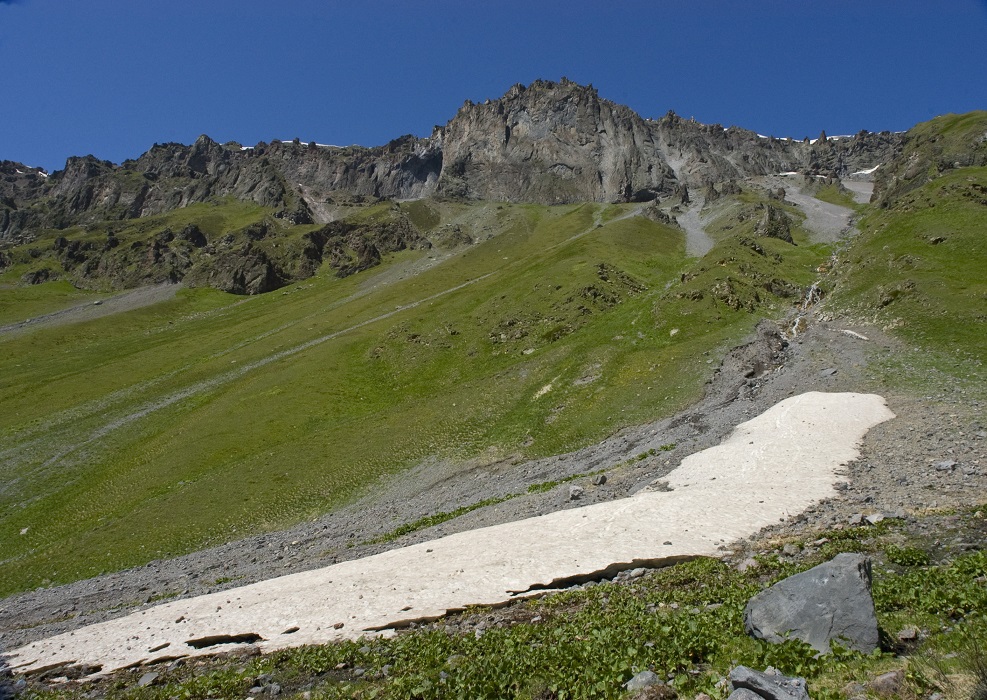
[438, 518]
[546, 486]
[837, 194]
[684, 622]
[934, 148]
[22, 303]
[917, 269]
[525, 331]
[165, 429]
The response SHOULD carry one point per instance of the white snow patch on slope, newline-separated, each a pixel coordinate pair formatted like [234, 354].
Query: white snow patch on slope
[772, 467]
[868, 171]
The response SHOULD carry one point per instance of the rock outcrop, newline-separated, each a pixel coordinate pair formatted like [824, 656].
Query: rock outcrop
[829, 603]
[546, 143]
[932, 149]
[552, 143]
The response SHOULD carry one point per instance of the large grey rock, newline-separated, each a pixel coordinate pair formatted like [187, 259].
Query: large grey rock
[829, 602]
[770, 686]
[744, 694]
[644, 679]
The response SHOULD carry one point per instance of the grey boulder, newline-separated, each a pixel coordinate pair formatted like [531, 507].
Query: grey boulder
[744, 694]
[644, 679]
[769, 685]
[829, 602]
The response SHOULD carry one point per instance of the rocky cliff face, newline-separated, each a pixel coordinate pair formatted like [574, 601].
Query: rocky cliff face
[546, 143]
[932, 149]
[551, 143]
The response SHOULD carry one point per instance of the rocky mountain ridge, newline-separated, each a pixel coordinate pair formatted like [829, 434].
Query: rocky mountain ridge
[547, 143]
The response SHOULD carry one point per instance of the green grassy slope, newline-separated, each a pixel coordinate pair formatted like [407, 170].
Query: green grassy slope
[919, 268]
[932, 149]
[209, 417]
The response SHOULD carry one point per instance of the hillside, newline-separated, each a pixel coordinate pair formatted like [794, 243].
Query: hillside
[448, 332]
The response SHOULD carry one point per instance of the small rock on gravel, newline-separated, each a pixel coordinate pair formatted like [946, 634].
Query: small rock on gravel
[147, 679]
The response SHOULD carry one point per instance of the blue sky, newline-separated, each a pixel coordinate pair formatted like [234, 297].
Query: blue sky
[112, 77]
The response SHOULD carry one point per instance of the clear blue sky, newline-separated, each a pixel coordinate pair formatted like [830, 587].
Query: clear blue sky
[112, 77]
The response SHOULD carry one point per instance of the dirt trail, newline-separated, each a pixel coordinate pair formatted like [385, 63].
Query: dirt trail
[125, 301]
[59, 444]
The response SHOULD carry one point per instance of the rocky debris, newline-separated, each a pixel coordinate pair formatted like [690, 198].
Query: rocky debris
[908, 634]
[251, 260]
[829, 603]
[243, 270]
[769, 685]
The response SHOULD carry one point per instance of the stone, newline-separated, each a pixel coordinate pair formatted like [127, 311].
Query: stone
[575, 493]
[856, 519]
[945, 465]
[599, 480]
[147, 679]
[875, 518]
[744, 694]
[854, 689]
[791, 550]
[888, 685]
[644, 679]
[830, 602]
[908, 634]
[748, 563]
[768, 686]
[828, 372]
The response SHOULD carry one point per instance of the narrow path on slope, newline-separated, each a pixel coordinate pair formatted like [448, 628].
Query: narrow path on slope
[17, 457]
[598, 223]
[125, 301]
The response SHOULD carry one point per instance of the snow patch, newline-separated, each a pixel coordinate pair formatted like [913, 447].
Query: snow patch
[833, 138]
[868, 171]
